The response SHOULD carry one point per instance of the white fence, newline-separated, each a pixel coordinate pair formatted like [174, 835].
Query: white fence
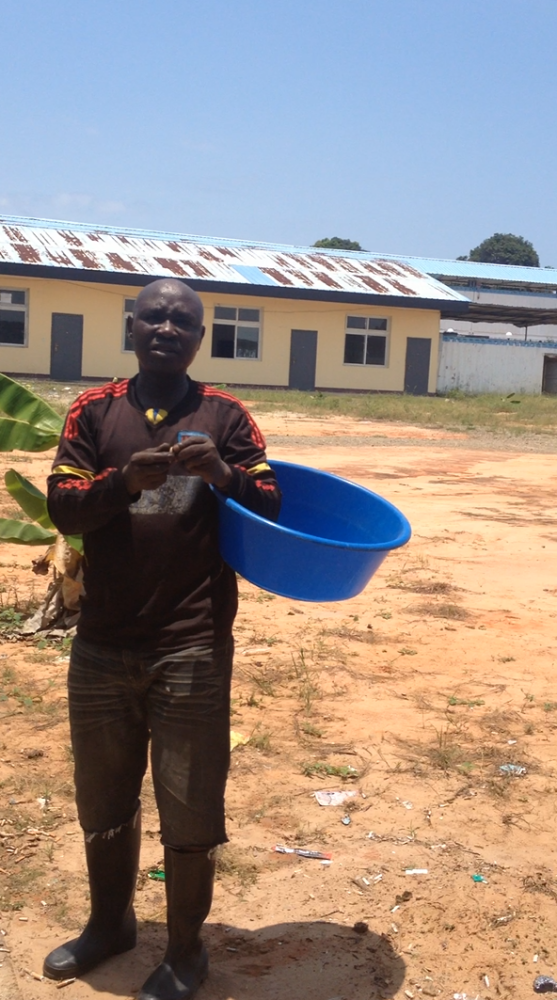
[478, 364]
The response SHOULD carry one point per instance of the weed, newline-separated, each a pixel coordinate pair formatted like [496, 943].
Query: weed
[452, 611]
[313, 768]
[529, 729]
[550, 706]
[469, 703]
[345, 632]
[236, 863]
[308, 688]
[261, 741]
[445, 753]
[406, 651]
[424, 587]
[506, 659]
[263, 640]
[264, 684]
[11, 620]
[311, 730]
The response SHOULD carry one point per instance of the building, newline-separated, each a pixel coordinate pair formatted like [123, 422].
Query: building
[491, 364]
[505, 298]
[276, 315]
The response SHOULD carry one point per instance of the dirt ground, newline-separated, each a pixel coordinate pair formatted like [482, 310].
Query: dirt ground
[414, 694]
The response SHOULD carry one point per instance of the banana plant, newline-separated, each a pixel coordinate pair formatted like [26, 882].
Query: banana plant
[28, 423]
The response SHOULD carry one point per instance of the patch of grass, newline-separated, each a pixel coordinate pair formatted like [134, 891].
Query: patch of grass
[446, 752]
[345, 632]
[468, 702]
[261, 740]
[424, 587]
[312, 769]
[450, 611]
[237, 864]
[506, 659]
[550, 706]
[264, 684]
[453, 411]
[311, 730]
[308, 686]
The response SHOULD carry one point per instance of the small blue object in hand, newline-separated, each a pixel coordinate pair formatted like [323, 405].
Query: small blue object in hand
[191, 434]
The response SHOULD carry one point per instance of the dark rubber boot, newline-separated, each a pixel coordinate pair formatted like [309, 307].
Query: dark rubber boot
[189, 892]
[112, 863]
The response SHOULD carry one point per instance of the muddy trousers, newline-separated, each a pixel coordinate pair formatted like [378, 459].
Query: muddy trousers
[119, 702]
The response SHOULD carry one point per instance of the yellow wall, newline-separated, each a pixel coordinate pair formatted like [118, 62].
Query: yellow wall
[102, 308]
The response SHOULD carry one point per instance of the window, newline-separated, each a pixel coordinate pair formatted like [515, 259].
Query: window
[13, 317]
[129, 306]
[365, 348]
[236, 333]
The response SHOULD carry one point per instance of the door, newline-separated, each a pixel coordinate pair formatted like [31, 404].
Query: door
[549, 381]
[303, 357]
[66, 347]
[416, 373]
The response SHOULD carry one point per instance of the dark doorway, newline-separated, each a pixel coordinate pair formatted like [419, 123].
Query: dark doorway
[303, 356]
[66, 347]
[549, 381]
[416, 373]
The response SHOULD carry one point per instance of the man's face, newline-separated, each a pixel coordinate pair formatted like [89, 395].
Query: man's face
[167, 328]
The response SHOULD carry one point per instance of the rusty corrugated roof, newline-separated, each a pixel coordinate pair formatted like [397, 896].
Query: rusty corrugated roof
[45, 243]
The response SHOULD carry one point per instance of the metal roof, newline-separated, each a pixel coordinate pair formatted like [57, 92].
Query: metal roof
[34, 244]
[474, 270]
[522, 316]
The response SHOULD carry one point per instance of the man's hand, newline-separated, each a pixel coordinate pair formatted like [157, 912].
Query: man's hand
[147, 470]
[201, 458]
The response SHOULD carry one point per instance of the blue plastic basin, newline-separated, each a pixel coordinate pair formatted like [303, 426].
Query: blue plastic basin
[330, 538]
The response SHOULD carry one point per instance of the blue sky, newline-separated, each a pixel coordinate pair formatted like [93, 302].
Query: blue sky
[413, 126]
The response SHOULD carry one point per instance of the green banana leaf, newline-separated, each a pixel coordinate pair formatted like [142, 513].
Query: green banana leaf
[75, 542]
[22, 404]
[29, 498]
[33, 503]
[24, 533]
[21, 436]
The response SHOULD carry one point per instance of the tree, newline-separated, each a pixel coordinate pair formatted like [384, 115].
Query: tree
[505, 248]
[337, 243]
[28, 423]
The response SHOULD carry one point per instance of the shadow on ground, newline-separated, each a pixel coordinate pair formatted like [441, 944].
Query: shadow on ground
[313, 960]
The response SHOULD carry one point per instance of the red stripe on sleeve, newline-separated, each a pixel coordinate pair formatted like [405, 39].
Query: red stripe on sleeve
[114, 389]
[256, 434]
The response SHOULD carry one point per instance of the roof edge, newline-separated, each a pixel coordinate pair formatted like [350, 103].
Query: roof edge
[234, 288]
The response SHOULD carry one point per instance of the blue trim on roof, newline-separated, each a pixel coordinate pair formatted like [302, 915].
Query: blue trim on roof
[489, 272]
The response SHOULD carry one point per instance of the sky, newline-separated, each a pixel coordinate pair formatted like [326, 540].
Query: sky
[413, 126]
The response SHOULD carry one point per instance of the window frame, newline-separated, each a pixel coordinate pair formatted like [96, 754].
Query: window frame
[126, 313]
[366, 332]
[17, 307]
[237, 324]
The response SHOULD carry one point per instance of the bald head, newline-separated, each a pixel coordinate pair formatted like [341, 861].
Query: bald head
[167, 326]
[173, 288]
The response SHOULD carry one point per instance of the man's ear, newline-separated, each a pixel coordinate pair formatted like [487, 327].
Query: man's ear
[202, 334]
[129, 324]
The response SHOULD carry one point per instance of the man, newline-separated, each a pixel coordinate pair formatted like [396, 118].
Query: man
[152, 659]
